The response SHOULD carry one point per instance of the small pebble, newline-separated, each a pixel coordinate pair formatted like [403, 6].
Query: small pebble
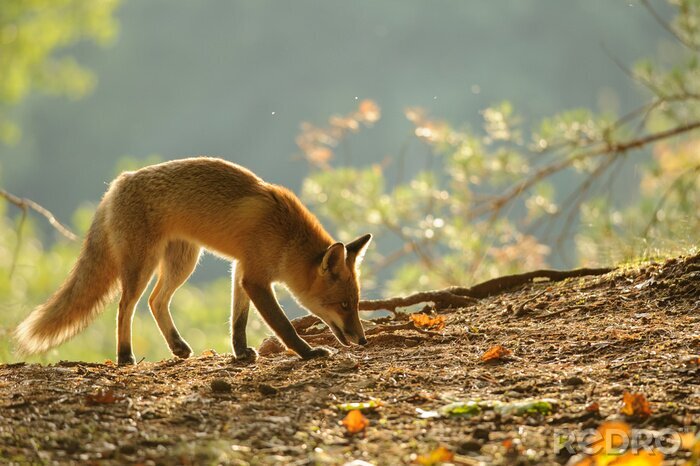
[574, 381]
[267, 389]
[469, 446]
[220, 386]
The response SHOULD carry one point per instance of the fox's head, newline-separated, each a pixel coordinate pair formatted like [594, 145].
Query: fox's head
[334, 295]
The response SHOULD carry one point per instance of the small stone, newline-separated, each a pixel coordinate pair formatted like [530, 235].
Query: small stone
[220, 386]
[469, 446]
[269, 346]
[481, 434]
[127, 449]
[267, 389]
[574, 381]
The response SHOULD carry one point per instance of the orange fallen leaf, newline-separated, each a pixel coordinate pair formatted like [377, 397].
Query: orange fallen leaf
[688, 440]
[495, 353]
[435, 457]
[102, 397]
[355, 421]
[612, 435]
[425, 321]
[635, 404]
[593, 407]
[209, 352]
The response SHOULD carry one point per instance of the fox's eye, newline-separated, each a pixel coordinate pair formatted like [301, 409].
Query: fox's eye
[345, 305]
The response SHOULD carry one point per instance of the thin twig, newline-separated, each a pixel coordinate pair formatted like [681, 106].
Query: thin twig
[664, 197]
[25, 204]
[496, 204]
[668, 27]
[576, 198]
[18, 246]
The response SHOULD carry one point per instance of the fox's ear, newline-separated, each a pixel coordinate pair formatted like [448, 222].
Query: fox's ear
[356, 249]
[333, 258]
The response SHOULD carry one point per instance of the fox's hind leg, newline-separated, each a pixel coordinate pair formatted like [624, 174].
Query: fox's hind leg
[136, 273]
[178, 262]
[239, 320]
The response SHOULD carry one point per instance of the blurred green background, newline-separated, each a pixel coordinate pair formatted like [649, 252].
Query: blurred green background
[89, 88]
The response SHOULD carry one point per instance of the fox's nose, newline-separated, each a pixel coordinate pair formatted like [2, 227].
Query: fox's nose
[362, 341]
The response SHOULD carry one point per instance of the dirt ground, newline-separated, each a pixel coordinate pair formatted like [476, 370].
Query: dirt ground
[577, 343]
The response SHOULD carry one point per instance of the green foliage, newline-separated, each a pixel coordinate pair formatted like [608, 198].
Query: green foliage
[439, 243]
[31, 35]
[488, 203]
[202, 312]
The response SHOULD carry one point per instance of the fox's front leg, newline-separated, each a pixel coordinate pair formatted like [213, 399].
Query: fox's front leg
[267, 305]
[239, 321]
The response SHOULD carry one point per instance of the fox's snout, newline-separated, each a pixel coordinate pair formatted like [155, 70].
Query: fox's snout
[349, 334]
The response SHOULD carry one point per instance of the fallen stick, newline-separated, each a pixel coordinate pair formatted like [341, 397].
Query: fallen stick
[457, 296]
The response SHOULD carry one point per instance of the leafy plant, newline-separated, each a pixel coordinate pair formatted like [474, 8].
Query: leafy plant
[505, 198]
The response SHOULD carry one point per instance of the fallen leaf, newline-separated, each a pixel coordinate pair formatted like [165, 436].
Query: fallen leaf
[593, 407]
[460, 408]
[209, 352]
[613, 432]
[102, 397]
[435, 457]
[541, 406]
[688, 440]
[635, 404]
[360, 406]
[474, 407]
[612, 436]
[495, 353]
[427, 322]
[355, 421]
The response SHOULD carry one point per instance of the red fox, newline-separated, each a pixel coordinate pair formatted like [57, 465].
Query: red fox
[157, 220]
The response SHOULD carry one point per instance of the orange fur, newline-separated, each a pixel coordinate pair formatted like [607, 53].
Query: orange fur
[159, 218]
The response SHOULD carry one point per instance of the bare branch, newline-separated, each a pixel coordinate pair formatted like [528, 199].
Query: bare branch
[494, 205]
[655, 14]
[26, 204]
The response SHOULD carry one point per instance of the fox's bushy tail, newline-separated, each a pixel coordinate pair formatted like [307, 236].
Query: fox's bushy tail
[90, 284]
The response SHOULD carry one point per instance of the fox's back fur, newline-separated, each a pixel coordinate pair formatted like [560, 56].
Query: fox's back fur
[207, 202]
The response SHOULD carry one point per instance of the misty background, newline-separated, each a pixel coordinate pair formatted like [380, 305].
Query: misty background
[239, 79]
[236, 79]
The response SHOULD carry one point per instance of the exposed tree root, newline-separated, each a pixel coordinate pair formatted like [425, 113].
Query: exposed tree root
[452, 297]
[457, 296]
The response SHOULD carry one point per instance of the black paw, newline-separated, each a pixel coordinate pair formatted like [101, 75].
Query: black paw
[125, 358]
[181, 349]
[245, 354]
[318, 352]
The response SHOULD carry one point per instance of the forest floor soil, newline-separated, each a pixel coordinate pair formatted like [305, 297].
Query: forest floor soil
[576, 348]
